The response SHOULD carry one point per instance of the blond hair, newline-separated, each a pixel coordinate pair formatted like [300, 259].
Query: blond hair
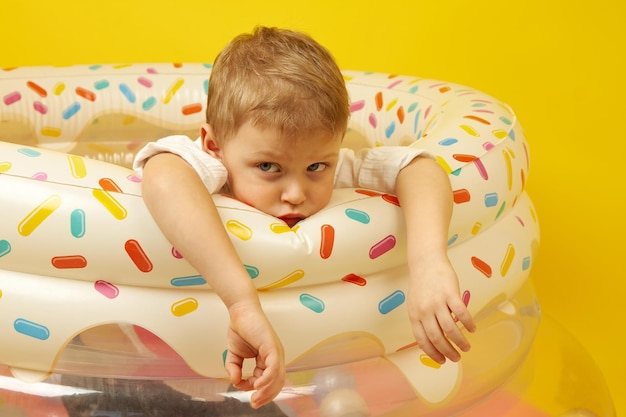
[280, 79]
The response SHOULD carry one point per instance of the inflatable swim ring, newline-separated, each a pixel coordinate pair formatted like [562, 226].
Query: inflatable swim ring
[89, 286]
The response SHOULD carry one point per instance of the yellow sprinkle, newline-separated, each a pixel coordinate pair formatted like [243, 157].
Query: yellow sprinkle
[508, 259]
[38, 215]
[444, 164]
[77, 166]
[280, 228]
[499, 133]
[172, 91]
[347, 77]
[477, 227]
[128, 120]
[5, 166]
[184, 306]
[294, 276]
[239, 229]
[470, 130]
[110, 203]
[51, 131]
[58, 88]
[428, 361]
[509, 169]
[391, 104]
[120, 66]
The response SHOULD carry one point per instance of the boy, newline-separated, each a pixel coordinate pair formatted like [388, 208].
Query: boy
[277, 111]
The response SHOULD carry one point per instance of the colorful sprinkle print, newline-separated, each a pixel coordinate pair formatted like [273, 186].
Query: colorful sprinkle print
[82, 222]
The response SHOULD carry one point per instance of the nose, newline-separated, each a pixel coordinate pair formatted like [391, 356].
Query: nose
[294, 193]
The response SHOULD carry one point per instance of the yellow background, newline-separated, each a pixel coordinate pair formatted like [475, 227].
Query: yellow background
[559, 63]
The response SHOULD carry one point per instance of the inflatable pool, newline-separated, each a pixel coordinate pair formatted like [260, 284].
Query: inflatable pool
[90, 289]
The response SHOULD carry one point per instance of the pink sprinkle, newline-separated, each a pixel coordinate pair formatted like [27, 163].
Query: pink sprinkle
[488, 146]
[40, 107]
[481, 168]
[133, 178]
[12, 98]
[176, 254]
[392, 85]
[144, 81]
[372, 120]
[357, 105]
[40, 176]
[151, 71]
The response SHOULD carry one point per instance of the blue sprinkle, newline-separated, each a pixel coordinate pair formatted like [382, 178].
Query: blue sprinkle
[448, 141]
[29, 152]
[505, 120]
[412, 107]
[526, 263]
[479, 104]
[149, 103]
[358, 215]
[453, 239]
[32, 329]
[130, 96]
[189, 281]
[312, 303]
[413, 89]
[206, 87]
[491, 199]
[416, 121]
[456, 172]
[101, 85]
[77, 223]
[390, 129]
[512, 134]
[71, 111]
[207, 66]
[253, 271]
[5, 248]
[391, 302]
[95, 67]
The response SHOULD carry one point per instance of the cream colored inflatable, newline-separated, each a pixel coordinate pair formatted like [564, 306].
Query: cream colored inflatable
[80, 254]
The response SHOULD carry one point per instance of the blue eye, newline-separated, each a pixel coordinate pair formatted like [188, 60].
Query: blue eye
[316, 167]
[268, 167]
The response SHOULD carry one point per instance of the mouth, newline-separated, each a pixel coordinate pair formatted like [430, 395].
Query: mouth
[292, 219]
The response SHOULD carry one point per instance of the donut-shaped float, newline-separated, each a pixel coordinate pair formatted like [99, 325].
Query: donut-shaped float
[89, 286]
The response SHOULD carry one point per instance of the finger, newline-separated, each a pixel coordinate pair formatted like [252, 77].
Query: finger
[436, 335]
[425, 344]
[462, 314]
[233, 366]
[453, 333]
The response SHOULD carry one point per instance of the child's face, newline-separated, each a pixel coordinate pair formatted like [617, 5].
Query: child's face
[288, 179]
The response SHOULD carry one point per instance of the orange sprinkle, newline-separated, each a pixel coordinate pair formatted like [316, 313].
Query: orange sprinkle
[37, 89]
[400, 114]
[379, 100]
[86, 94]
[444, 89]
[463, 157]
[368, 192]
[192, 108]
[478, 119]
[108, 184]
[461, 196]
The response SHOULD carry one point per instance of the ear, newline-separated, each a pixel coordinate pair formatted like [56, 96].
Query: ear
[209, 144]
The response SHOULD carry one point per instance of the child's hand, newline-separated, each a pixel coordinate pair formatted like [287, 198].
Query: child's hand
[435, 306]
[250, 335]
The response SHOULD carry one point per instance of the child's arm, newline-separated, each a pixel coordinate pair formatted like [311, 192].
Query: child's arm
[184, 211]
[425, 196]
